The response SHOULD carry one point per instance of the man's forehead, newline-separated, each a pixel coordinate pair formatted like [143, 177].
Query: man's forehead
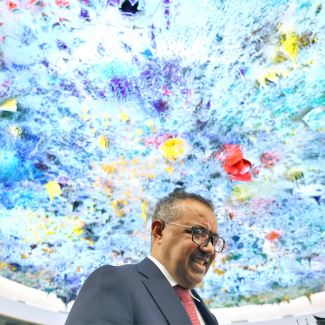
[195, 206]
[195, 211]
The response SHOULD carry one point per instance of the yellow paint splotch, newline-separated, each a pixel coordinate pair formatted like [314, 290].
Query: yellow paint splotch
[53, 189]
[173, 148]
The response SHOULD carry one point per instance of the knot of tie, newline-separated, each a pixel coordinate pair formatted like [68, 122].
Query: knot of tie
[188, 303]
[183, 294]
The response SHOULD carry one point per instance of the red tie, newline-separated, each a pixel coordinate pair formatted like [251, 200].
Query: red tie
[188, 303]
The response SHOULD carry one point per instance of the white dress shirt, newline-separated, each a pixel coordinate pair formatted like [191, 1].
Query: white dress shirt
[173, 283]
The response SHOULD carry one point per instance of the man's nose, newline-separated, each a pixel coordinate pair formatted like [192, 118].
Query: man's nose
[208, 249]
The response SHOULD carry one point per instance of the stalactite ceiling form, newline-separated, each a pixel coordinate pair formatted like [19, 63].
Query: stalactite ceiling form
[108, 106]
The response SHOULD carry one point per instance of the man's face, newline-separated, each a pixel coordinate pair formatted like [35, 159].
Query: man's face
[181, 257]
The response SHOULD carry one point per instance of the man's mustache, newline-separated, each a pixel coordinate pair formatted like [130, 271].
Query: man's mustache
[205, 256]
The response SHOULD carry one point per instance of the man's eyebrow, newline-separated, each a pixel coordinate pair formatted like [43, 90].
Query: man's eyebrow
[201, 227]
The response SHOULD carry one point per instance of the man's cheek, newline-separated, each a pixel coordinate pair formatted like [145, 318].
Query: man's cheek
[208, 267]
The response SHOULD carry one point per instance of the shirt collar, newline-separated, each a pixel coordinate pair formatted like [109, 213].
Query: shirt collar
[167, 275]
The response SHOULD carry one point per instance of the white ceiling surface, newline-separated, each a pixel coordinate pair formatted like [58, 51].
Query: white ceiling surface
[17, 310]
[21, 302]
[32, 297]
[283, 311]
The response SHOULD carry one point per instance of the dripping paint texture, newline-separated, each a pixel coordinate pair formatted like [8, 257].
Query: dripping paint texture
[107, 106]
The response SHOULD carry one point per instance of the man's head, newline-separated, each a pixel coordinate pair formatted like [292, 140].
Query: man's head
[172, 244]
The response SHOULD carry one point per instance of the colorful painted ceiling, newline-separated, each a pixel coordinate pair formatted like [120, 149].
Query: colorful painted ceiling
[108, 106]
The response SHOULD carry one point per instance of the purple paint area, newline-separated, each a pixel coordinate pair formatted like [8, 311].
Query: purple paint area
[121, 87]
[145, 73]
[66, 86]
[101, 93]
[46, 63]
[113, 3]
[160, 106]
[69, 87]
[61, 45]
[116, 82]
[84, 13]
[154, 77]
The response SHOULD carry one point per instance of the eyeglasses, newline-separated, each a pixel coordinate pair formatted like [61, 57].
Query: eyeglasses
[202, 238]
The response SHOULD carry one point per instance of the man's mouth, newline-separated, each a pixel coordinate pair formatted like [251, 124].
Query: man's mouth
[199, 261]
[199, 265]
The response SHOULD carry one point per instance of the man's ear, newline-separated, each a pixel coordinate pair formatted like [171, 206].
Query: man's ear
[157, 228]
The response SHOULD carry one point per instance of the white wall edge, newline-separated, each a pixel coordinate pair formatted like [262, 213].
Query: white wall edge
[256, 313]
[37, 306]
[32, 314]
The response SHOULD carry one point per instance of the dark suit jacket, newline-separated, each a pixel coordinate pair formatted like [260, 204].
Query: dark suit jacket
[131, 294]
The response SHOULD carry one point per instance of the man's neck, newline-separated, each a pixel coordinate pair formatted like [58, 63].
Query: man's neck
[154, 253]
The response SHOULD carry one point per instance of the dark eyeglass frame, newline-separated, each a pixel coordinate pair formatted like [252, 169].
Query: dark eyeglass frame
[210, 238]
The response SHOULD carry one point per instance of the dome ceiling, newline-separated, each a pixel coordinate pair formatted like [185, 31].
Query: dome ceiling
[108, 106]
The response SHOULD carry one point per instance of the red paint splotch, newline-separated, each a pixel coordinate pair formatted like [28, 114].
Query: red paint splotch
[269, 160]
[167, 92]
[62, 3]
[274, 235]
[10, 5]
[236, 167]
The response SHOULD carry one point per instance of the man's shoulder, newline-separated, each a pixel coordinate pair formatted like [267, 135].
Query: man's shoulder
[114, 270]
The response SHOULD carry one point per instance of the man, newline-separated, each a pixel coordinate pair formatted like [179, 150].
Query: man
[158, 290]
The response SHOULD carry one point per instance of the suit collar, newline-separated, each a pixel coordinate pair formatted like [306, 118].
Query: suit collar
[163, 293]
[164, 271]
[147, 268]
[166, 298]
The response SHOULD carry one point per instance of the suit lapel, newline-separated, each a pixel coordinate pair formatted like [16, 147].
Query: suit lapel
[163, 293]
[204, 310]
